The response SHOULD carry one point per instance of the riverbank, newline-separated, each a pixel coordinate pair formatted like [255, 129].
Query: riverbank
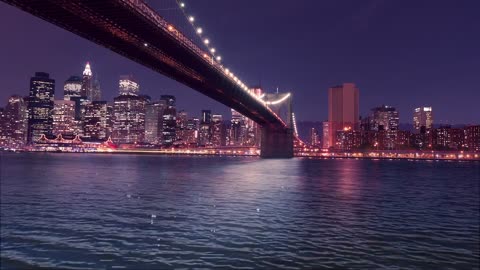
[428, 156]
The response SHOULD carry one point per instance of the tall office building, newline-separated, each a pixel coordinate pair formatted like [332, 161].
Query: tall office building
[343, 109]
[128, 85]
[95, 125]
[153, 121]
[13, 125]
[472, 138]
[40, 106]
[326, 135]
[129, 119]
[384, 118]
[64, 117]
[96, 90]
[182, 122]
[422, 117]
[314, 139]
[169, 121]
[238, 129]
[87, 83]
[218, 130]
[190, 136]
[72, 87]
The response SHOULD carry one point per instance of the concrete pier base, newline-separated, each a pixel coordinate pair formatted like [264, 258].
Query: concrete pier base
[276, 143]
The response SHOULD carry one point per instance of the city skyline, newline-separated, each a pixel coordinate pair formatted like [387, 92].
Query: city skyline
[61, 58]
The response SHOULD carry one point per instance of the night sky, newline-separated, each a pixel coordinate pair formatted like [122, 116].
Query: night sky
[401, 53]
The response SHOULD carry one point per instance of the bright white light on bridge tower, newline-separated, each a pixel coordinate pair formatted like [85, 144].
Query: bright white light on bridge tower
[182, 4]
[206, 41]
[212, 50]
[199, 30]
[191, 19]
[219, 58]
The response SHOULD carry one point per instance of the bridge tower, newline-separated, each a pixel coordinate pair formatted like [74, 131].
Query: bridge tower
[277, 142]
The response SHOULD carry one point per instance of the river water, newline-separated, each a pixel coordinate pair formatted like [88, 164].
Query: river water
[84, 211]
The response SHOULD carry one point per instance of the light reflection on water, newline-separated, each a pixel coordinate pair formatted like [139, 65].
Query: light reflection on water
[95, 211]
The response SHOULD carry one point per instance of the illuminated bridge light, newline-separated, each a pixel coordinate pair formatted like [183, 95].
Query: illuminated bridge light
[191, 19]
[170, 28]
[182, 5]
[145, 44]
[279, 100]
[219, 58]
[199, 30]
[206, 41]
[212, 50]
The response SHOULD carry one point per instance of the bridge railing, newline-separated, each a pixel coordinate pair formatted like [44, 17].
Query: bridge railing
[151, 14]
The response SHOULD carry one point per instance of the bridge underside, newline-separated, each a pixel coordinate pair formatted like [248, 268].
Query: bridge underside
[121, 27]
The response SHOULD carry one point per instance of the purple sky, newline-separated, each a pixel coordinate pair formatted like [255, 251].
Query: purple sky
[400, 53]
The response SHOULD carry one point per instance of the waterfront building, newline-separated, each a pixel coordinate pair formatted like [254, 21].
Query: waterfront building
[64, 117]
[348, 139]
[95, 125]
[205, 132]
[182, 122]
[72, 87]
[40, 106]
[343, 109]
[169, 121]
[385, 118]
[314, 138]
[129, 119]
[13, 123]
[80, 104]
[326, 143]
[218, 130]
[422, 117]
[472, 138]
[238, 129]
[403, 140]
[154, 121]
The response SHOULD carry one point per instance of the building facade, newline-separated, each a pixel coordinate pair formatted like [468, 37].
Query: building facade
[40, 106]
[343, 110]
[64, 117]
[422, 117]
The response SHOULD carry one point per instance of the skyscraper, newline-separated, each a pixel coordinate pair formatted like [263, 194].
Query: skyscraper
[385, 118]
[343, 109]
[13, 127]
[314, 139]
[153, 121]
[128, 85]
[40, 106]
[129, 119]
[87, 83]
[72, 87]
[96, 120]
[64, 117]
[422, 117]
[218, 130]
[169, 122]
[96, 90]
[385, 121]
[182, 122]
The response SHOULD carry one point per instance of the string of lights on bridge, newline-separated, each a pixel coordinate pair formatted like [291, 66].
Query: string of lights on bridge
[215, 56]
[212, 50]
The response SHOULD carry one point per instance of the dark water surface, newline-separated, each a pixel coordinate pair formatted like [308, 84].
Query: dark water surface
[85, 211]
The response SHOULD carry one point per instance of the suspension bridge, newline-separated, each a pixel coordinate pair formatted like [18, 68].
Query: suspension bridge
[134, 29]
